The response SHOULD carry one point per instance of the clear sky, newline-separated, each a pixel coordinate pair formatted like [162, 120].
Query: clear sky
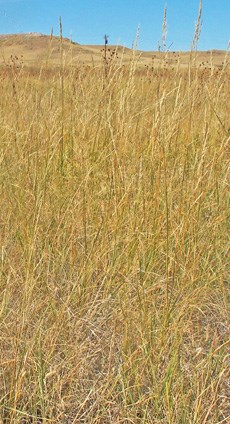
[89, 20]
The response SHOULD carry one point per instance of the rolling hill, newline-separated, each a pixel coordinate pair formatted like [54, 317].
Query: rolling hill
[35, 49]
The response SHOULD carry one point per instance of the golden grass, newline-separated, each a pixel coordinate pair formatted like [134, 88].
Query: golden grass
[114, 243]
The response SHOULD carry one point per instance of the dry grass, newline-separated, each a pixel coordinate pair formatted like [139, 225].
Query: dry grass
[114, 243]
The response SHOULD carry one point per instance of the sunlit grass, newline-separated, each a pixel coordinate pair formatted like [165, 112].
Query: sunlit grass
[114, 242]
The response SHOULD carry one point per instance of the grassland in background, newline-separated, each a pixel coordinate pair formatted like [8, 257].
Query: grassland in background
[36, 50]
[114, 211]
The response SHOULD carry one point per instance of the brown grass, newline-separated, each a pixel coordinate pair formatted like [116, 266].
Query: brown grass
[114, 242]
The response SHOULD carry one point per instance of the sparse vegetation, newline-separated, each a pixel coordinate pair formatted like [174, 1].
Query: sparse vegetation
[114, 243]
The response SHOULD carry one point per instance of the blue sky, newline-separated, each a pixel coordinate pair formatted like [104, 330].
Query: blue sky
[89, 20]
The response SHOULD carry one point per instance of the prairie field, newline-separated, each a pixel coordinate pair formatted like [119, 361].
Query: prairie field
[114, 237]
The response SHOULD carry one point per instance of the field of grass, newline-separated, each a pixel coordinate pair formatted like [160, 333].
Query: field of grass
[114, 240]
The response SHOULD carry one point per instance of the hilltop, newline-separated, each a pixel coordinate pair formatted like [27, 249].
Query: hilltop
[36, 48]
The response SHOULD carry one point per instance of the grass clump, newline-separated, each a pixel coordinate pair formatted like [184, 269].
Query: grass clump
[114, 243]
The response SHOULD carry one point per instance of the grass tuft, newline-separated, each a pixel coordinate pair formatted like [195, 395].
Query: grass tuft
[113, 272]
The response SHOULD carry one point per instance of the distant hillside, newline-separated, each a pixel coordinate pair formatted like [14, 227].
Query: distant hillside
[34, 49]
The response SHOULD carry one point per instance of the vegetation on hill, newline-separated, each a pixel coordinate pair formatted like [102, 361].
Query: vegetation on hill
[38, 49]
